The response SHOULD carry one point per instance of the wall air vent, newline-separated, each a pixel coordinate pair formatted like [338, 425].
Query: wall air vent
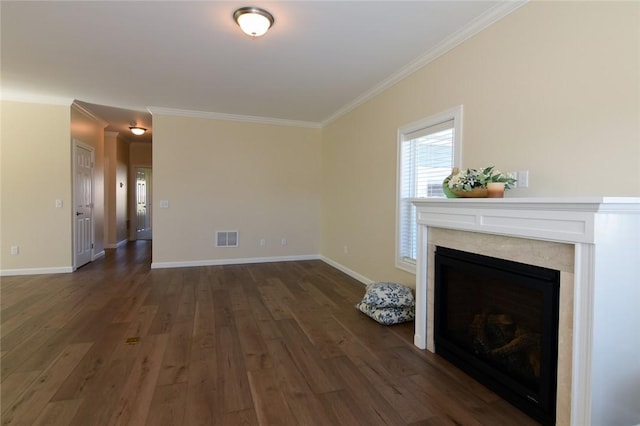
[226, 238]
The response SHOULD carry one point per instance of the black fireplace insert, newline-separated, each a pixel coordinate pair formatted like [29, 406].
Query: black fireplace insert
[497, 320]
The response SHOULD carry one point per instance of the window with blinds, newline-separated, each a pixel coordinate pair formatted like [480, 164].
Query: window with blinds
[426, 156]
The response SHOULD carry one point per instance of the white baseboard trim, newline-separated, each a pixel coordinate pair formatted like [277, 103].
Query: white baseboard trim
[36, 271]
[116, 245]
[219, 262]
[364, 280]
[97, 255]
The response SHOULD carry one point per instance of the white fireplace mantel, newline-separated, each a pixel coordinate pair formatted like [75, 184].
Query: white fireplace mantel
[605, 235]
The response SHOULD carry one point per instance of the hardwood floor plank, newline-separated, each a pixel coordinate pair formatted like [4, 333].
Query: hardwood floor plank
[168, 405]
[223, 314]
[131, 305]
[449, 405]
[81, 329]
[90, 370]
[270, 405]
[240, 418]
[58, 413]
[187, 304]
[26, 408]
[233, 381]
[16, 384]
[277, 298]
[166, 315]
[137, 393]
[366, 397]
[204, 404]
[254, 349]
[203, 332]
[307, 360]
[341, 406]
[39, 313]
[302, 401]
[33, 345]
[98, 405]
[139, 327]
[367, 331]
[326, 334]
[175, 363]
[318, 296]
[391, 387]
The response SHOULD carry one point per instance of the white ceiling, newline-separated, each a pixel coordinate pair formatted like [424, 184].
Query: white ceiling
[319, 59]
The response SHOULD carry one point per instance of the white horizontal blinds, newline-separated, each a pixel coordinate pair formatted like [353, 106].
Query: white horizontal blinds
[426, 160]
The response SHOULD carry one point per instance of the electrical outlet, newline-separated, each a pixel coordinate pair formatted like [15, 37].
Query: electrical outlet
[523, 179]
[283, 241]
[15, 250]
[346, 249]
[58, 204]
[263, 242]
[164, 204]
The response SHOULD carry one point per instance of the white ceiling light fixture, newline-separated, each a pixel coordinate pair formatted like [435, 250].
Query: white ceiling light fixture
[253, 20]
[136, 130]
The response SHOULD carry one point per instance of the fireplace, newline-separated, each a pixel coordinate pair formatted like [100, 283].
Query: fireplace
[593, 242]
[498, 321]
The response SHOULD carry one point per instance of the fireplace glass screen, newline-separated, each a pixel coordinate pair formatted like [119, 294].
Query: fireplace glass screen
[498, 321]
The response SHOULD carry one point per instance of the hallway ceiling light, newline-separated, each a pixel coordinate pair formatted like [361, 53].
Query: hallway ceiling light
[138, 131]
[253, 20]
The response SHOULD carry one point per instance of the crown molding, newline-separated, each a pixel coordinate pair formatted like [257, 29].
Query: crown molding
[89, 114]
[14, 96]
[474, 27]
[232, 117]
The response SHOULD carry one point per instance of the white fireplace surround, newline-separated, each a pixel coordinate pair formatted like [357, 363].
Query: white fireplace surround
[604, 330]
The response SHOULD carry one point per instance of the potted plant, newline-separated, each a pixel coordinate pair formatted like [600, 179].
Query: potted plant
[472, 183]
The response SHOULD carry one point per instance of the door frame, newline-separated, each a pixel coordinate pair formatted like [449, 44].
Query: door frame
[79, 144]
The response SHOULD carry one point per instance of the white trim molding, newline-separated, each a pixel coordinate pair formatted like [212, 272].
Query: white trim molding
[364, 280]
[241, 261]
[33, 98]
[154, 110]
[36, 271]
[116, 245]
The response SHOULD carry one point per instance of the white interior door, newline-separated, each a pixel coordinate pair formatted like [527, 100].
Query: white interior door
[143, 203]
[83, 204]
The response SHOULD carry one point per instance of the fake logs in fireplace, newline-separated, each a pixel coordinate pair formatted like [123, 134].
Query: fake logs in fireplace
[500, 341]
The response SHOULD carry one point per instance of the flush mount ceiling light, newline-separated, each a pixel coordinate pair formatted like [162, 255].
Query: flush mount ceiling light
[138, 131]
[253, 20]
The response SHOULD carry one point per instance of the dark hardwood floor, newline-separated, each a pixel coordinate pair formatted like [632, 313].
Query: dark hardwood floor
[274, 343]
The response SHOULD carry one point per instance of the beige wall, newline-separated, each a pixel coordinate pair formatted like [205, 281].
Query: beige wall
[552, 88]
[261, 180]
[122, 189]
[140, 154]
[117, 166]
[35, 172]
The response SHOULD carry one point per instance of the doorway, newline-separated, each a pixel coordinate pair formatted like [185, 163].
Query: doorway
[143, 203]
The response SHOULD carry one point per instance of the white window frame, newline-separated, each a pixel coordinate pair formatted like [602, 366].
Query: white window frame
[454, 114]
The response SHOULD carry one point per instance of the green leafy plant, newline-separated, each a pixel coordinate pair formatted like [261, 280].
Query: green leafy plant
[467, 180]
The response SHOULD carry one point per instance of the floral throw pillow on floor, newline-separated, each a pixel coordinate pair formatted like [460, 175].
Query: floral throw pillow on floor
[388, 303]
